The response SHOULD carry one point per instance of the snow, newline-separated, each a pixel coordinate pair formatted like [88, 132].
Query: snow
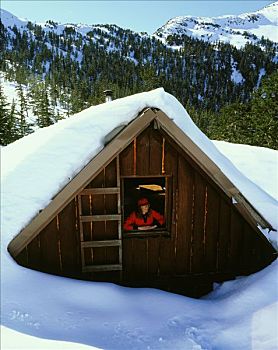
[105, 315]
[237, 76]
[255, 162]
[9, 90]
[228, 28]
[14, 340]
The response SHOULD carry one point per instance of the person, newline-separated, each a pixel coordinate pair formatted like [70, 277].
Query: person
[145, 218]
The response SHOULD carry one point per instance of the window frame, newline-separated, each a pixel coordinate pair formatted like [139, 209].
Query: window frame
[163, 231]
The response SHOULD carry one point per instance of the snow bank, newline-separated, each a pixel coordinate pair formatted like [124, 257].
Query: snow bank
[254, 162]
[14, 340]
[104, 315]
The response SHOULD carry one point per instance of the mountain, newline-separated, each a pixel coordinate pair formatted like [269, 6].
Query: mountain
[61, 69]
[236, 30]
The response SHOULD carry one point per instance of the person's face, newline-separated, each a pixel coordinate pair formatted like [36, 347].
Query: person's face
[144, 208]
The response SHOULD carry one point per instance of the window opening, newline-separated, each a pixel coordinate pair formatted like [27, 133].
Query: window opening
[144, 203]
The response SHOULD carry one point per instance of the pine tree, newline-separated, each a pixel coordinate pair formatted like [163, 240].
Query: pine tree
[41, 106]
[24, 126]
[264, 108]
[7, 120]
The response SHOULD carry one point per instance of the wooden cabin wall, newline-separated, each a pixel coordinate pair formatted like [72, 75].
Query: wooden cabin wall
[57, 247]
[208, 236]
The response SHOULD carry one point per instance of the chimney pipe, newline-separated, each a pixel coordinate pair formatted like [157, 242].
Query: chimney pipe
[108, 95]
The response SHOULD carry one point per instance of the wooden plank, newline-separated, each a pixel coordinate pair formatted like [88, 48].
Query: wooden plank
[168, 244]
[98, 229]
[211, 230]
[156, 145]
[22, 258]
[250, 213]
[153, 256]
[143, 153]
[104, 190]
[98, 255]
[50, 248]
[34, 253]
[111, 174]
[94, 268]
[112, 255]
[110, 230]
[223, 252]
[199, 212]
[109, 243]
[98, 208]
[236, 240]
[80, 224]
[140, 258]
[69, 242]
[184, 216]
[127, 251]
[85, 208]
[98, 181]
[248, 258]
[90, 218]
[127, 160]
[166, 256]
[120, 251]
[111, 204]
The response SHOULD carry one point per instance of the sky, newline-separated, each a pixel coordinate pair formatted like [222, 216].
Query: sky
[140, 16]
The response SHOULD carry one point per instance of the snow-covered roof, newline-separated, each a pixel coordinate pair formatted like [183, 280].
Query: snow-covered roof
[103, 314]
[36, 167]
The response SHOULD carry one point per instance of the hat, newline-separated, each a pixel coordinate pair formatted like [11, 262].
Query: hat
[143, 201]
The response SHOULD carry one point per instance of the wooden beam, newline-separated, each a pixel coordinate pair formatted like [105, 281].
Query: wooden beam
[103, 190]
[80, 181]
[96, 268]
[95, 244]
[245, 207]
[91, 218]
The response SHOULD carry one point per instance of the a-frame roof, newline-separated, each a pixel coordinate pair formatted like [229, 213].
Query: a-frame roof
[172, 124]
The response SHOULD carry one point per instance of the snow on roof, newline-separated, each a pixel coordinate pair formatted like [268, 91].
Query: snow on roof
[36, 167]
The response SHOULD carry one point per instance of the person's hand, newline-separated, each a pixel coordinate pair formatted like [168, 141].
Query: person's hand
[146, 228]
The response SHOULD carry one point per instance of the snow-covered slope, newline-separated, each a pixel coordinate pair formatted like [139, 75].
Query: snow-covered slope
[237, 315]
[11, 94]
[237, 30]
[262, 159]
[9, 20]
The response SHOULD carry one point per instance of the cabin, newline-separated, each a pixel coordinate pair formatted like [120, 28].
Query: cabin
[210, 233]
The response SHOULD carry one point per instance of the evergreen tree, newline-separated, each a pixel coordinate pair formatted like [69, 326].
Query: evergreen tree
[24, 127]
[41, 106]
[7, 120]
[255, 122]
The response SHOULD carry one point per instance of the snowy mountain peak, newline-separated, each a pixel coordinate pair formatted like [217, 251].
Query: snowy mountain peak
[9, 20]
[237, 30]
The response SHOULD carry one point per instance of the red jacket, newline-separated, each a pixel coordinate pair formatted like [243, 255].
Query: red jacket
[151, 218]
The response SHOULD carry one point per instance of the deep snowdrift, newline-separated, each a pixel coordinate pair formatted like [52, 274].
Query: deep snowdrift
[237, 315]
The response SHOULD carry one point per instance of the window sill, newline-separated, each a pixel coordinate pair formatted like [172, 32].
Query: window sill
[143, 234]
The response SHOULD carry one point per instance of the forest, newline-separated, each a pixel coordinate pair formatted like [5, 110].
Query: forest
[230, 93]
